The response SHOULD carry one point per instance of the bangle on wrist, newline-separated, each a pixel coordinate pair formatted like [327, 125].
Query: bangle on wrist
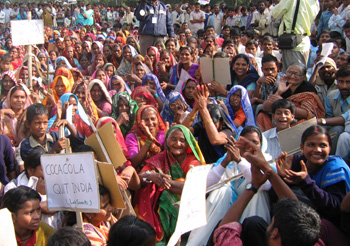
[206, 122]
[156, 95]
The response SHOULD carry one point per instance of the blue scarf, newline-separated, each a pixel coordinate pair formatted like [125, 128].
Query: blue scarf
[251, 77]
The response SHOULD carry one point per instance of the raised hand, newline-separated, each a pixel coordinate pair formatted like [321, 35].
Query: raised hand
[283, 164]
[282, 85]
[296, 177]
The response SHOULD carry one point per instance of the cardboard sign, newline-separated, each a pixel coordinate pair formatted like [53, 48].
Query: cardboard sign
[108, 178]
[7, 231]
[290, 138]
[192, 212]
[26, 32]
[71, 182]
[113, 149]
[217, 69]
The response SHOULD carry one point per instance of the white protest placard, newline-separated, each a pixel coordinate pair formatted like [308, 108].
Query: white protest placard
[183, 78]
[192, 212]
[26, 32]
[71, 182]
[326, 51]
[7, 231]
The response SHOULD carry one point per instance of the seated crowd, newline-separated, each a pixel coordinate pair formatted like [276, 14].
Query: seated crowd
[166, 121]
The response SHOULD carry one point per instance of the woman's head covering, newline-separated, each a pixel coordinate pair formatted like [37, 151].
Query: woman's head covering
[68, 86]
[193, 145]
[88, 104]
[107, 65]
[80, 75]
[62, 58]
[89, 44]
[116, 77]
[80, 111]
[120, 34]
[132, 111]
[217, 113]
[47, 57]
[103, 88]
[66, 73]
[245, 103]
[157, 58]
[100, 36]
[152, 77]
[167, 114]
[100, 46]
[138, 119]
[183, 87]
[136, 43]
[252, 75]
[7, 103]
[93, 76]
[142, 90]
[125, 66]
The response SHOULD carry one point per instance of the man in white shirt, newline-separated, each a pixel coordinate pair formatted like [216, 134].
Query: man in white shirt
[177, 16]
[128, 17]
[14, 12]
[197, 18]
[261, 18]
[2, 15]
[7, 11]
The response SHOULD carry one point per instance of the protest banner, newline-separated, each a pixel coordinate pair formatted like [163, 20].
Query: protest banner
[28, 32]
[192, 211]
[71, 182]
[7, 231]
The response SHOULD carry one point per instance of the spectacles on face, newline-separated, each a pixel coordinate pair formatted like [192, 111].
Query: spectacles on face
[294, 73]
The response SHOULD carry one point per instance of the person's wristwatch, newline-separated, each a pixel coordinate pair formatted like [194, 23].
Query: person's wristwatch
[146, 180]
[249, 186]
[323, 121]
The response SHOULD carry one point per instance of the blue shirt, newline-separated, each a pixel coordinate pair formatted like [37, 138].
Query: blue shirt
[343, 104]
[323, 23]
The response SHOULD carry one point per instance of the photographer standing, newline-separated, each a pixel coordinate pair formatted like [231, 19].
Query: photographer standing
[155, 23]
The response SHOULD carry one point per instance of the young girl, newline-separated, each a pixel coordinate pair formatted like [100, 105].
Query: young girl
[323, 179]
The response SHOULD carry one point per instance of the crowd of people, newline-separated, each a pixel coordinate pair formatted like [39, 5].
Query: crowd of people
[138, 67]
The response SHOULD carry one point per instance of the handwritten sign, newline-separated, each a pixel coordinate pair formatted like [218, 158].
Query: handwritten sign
[26, 32]
[7, 231]
[71, 182]
[192, 212]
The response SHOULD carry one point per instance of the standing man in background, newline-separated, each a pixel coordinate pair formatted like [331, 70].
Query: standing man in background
[155, 23]
[308, 10]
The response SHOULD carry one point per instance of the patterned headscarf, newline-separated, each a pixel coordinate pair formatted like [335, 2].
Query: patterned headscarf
[245, 103]
[152, 77]
[167, 114]
[132, 111]
[89, 104]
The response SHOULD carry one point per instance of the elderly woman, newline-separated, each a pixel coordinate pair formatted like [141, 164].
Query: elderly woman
[142, 96]
[117, 84]
[164, 175]
[125, 66]
[175, 108]
[293, 86]
[152, 83]
[7, 82]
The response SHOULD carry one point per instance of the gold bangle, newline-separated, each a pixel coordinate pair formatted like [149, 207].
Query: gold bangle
[206, 122]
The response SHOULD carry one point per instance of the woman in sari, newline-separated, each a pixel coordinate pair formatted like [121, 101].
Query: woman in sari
[61, 61]
[175, 108]
[8, 80]
[98, 63]
[184, 63]
[124, 111]
[77, 75]
[187, 90]
[84, 62]
[101, 75]
[243, 73]
[101, 98]
[79, 120]
[117, 55]
[16, 60]
[152, 58]
[96, 48]
[132, 41]
[166, 173]
[116, 85]
[110, 70]
[60, 86]
[293, 86]
[152, 83]
[146, 138]
[63, 71]
[83, 93]
[165, 68]
[238, 105]
[128, 52]
[13, 114]
[142, 96]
